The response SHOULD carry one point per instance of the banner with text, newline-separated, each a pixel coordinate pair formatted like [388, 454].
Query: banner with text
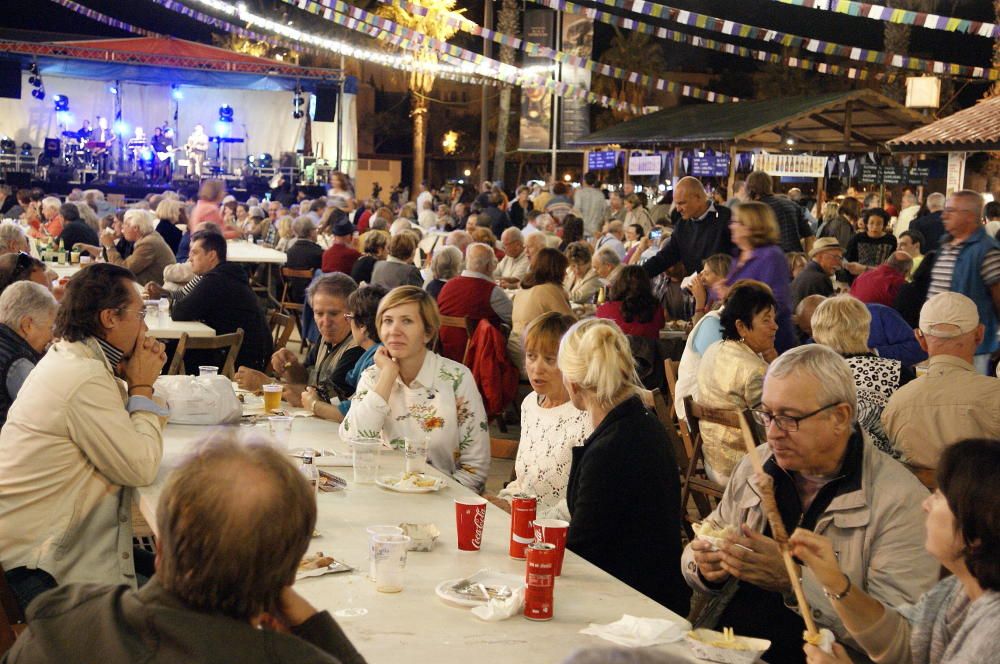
[536, 103]
[578, 40]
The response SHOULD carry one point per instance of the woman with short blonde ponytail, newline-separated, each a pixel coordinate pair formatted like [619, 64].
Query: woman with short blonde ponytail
[624, 488]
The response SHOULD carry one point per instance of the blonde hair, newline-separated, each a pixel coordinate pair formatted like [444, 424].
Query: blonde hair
[595, 355]
[285, 227]
[758, 218]
[842, 323]
[425, 303]
[169, 209]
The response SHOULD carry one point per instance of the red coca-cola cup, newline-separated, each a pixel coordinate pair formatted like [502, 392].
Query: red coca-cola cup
[470, 515]
[553, 531]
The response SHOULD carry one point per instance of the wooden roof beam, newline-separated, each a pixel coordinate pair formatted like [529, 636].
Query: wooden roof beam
[847, 129]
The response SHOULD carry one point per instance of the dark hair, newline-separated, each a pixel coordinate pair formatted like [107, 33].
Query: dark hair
[549, 267]
[991, 211]
[877, 212]
[572, 230]
[916, 237]
[966, 475]
[534, 214]
[17, 267]
[559, 189]
[590, 178]
[850, 208]
[229, 548]
[742, 304]
[69, 212]
[211, 241]
[634, 290]
[92, 290]
[638, 230]
[363, 305]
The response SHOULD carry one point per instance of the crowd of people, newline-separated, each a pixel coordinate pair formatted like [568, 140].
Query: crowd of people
[861, 337]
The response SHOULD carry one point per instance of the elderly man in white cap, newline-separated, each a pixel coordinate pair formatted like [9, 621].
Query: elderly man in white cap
[952, 401]
[815, 278]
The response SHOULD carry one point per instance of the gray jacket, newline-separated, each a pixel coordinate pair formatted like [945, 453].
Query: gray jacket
[878, 535]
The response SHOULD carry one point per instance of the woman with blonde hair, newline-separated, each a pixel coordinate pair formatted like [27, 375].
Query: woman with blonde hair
[412, 393]
[285, 234]
[843, 323]
[754, 230]
[623, 492]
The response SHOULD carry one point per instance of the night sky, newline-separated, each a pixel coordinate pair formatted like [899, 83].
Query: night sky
[43, 16]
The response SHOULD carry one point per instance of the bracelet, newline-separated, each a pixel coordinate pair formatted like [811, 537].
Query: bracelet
[839, 596]
[135, 387]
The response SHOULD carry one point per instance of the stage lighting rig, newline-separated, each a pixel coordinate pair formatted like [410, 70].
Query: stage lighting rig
[113, 89]
[225, 113]
[25, 149]
[297, 103]
[35, 79]
[8, 145]
[176, 93]
[61, 103]
[265, 160]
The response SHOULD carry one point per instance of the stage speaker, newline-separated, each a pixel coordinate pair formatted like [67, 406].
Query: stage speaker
[326, 103]
[18, 180]
[10, 79]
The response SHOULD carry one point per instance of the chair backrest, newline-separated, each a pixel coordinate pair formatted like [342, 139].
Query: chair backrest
[670, 368]
[281, 326]
[287, 275]
[231, 341]
[462, 323]
[11, 616]
[664, 413]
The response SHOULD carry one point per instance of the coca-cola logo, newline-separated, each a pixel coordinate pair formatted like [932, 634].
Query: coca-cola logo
[480, 521]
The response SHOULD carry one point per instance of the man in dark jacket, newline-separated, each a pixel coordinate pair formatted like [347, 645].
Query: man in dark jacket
[27, 314]
[227, 554]
[222, 299]
[814, 279]
[700, 230]
[931, 226]
[303, 254]
[75, 230]
[793, 225]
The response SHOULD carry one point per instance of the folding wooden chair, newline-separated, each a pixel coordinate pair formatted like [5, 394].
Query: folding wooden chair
[281, 326]
[670, 371]
[462, 323]
[291, 307]
[231, 341]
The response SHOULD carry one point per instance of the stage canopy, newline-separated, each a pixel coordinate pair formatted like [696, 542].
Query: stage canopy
[164, 81]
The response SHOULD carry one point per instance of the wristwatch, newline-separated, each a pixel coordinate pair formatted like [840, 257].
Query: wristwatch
[836, 597]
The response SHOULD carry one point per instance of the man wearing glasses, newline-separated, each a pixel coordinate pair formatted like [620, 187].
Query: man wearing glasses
[825, 476]
[83, 430]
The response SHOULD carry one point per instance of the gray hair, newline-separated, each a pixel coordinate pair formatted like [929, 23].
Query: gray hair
[88, 215]
[93, 195]
[169, 209]
[302, 227]
[973, 201]
[834, 380]
[26, 298]
[513, 235]
[336, 284]
[143, 220]
[608, 256]
[11, 232]
[480, 258]
[51, 202]
[401, 224]
[447, 262]
[935, 202]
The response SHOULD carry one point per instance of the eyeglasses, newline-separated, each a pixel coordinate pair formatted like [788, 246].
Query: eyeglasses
[787, 423]
[140, 314]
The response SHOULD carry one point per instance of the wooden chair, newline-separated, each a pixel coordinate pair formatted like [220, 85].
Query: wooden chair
[670, 368]
[291, 307]
[462, 323]
[697, 487]
[664, 412]
[11, 616]
[281, 326]
[231, 341]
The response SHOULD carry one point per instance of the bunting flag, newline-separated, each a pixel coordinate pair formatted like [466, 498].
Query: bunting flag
[901, 16]
[459, 22]
[734, 29]
[106, 20]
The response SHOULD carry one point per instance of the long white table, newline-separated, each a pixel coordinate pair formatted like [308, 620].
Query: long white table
[241, 251]
[414, 625]
[162, 326]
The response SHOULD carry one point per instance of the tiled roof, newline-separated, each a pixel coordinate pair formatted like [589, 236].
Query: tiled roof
[975, 128]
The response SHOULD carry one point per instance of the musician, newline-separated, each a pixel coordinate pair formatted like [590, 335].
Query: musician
[85, 132]
[104, 136]
[197, 148]
[163, 146]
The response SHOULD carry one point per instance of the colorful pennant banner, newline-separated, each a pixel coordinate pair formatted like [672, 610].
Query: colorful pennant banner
[901, 16]
[106, 20]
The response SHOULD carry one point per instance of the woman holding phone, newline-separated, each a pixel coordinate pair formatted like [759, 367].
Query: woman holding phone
[412, 393]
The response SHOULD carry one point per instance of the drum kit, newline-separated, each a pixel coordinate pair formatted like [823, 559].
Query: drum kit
[82, 153]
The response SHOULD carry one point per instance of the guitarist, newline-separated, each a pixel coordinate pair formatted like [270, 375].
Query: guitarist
[163, 146]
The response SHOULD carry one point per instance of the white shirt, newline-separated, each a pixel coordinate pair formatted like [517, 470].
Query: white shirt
[442, 404]
[513, 268]
[612, 242]
[423, 197]
[427, 219]
[906, 215]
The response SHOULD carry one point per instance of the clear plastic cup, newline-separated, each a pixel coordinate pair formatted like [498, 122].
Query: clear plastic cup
[365, 455]
[372, 532]
[206, 370]
[390, 562]
[280, 428]
[415, 455]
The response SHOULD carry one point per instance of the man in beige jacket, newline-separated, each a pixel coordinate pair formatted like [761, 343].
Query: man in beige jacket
[82, 432]
[151, 253]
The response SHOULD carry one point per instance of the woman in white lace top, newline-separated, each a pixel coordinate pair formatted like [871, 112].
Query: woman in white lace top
[551, 426]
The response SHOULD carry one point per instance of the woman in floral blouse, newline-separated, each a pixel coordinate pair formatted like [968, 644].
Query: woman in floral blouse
[414, 393]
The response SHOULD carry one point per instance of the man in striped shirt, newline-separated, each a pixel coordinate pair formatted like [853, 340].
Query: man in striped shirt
[968, 262]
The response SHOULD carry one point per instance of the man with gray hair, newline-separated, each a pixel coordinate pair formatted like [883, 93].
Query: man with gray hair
[459, 239]
[473, 295]
[614, 233]
[150, 253]
[227, 554]
[881, 285]
[931, 225]
[304, 253]
[827, 478]
[606, 264]
[515, 264]
[27, 314]
[12, 238]
[909, 207]
[700, 230]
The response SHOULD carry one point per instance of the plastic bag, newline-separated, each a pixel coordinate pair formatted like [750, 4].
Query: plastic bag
[199, 400]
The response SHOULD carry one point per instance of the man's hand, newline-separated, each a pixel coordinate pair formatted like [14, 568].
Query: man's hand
[154, 291]
[88, 248]
[146, 362]
[709, 561]
[816, 656]
[283, 360]
[509, 283]
[250, 380]
[293, 395]
[755, 559]
[855, 268]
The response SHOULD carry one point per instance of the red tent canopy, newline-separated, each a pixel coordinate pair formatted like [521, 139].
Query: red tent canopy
[170, 47]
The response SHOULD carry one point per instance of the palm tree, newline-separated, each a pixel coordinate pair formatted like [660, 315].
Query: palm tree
[896, 41]
[507, 23]
[632, 51]
[422, 78]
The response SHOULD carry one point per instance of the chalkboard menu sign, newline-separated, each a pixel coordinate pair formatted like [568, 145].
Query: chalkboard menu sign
[602, 160]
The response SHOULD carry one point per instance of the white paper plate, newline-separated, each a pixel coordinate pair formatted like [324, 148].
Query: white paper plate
[487, 577]
[390, 482]
[754, 648]
[336, 568]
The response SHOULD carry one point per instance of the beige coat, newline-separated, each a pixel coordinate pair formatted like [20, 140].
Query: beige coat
[878, 535]
[582, 289]
[69, 454]
[150, 255]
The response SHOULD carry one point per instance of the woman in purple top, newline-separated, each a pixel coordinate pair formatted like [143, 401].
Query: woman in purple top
[755, 233]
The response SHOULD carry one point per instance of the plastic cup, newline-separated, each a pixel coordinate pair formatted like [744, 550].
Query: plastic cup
[415, 455]
[280, 427]
[390, 562]
[372, 532]
[470, 515]
[553, 531]
[272, 397]
[206, 370]
[164, 306]
[364, 454]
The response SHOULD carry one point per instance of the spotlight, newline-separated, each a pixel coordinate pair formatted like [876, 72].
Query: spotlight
[264, 160]
[38, 94]
[121, 128]
[61, 103]
[223, 128]
[297, 103]
[8, 145]
[113, 89]
[33, 81]
[176, 93]
[225, 113]
[25, 149]
[789, 140]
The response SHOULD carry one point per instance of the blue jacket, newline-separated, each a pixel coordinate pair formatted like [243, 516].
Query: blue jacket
[967, 280]
[892, 336]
